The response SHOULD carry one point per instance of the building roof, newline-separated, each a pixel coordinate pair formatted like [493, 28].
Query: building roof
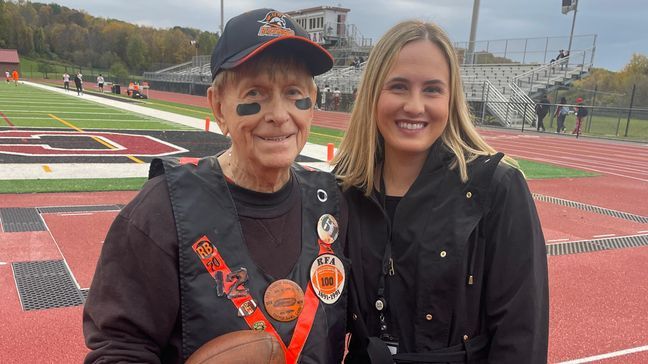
[317, 8]
[9, 56]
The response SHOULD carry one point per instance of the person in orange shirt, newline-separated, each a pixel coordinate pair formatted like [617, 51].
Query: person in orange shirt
[14, 75]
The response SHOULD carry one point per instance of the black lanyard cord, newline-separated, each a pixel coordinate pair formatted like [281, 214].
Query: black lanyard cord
[387, 266]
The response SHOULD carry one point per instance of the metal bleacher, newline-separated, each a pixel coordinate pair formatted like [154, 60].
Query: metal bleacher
[502, 78]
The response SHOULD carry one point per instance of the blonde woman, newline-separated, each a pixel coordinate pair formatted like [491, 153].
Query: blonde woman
[448, 256]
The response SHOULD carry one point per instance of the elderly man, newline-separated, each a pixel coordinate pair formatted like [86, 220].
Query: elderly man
[245, 240]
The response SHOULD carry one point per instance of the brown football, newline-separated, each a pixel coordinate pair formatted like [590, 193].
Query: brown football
[240, 347]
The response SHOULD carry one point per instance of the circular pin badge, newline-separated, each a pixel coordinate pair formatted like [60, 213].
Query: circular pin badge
[327, 278]
[284, 300]
[259, 326]
[327, 228]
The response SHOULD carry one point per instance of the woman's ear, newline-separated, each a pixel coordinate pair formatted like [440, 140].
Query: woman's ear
[215, 103]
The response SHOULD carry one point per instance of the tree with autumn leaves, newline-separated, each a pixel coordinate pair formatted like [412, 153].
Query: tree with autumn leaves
[55, 32]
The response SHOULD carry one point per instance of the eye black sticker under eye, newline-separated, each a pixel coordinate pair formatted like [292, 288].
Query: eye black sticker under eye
[304, 104]
[248, 109]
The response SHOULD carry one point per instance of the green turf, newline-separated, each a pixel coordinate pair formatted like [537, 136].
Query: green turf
[532, 170]
[535, 170]
[182, 109]
[27, 106]
[70, 185]
[323, 136]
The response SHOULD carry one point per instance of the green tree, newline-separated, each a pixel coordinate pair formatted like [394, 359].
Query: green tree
[45, 68]
[207, 42]
[39, 41]
[119, 71]
[136, 53]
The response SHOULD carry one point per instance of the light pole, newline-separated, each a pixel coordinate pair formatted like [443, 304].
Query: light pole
[571, 35]
[222, 17]
[473, 32]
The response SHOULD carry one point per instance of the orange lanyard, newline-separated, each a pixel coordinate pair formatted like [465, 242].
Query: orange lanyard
[247, 307]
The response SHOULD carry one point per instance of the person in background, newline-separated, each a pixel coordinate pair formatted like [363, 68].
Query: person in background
[7, 76]
[326, 97]
[542, 109]
[100, 83]
[78, 83]
[449, 259]
[240, 241]
[562, 110]
[337, 96]
[15, 77]
[66, 82]
[581, 113]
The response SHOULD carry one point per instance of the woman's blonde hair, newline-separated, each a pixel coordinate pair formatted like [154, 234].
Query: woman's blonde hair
[361, 149]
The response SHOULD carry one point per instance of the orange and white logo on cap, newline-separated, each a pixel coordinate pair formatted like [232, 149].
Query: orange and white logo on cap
[274, 25]
[327, 278]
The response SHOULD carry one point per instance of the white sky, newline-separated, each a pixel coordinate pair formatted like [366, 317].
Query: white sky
[620, 25]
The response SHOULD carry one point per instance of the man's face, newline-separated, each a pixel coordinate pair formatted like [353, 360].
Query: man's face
[266, 117]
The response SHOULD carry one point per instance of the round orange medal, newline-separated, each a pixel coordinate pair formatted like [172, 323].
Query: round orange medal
[284, 300]
[327, 278]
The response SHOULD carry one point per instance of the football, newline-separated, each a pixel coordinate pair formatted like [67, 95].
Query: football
[240, 347]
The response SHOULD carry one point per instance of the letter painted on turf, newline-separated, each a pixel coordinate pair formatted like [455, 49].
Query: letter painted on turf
[248, 109]
[304, 104]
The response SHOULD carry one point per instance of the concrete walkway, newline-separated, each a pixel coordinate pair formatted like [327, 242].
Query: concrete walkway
[11, 171]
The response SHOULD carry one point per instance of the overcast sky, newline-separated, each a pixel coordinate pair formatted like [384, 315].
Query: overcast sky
[620, 25]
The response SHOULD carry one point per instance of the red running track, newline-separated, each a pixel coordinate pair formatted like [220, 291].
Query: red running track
[598, 299]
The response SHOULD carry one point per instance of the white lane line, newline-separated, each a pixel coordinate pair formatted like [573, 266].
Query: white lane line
[607, 356]
[603, 236]
[75, 214]
[556, 240]
[642, 231]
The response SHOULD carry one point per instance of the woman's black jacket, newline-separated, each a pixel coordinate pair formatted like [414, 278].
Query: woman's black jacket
[470, 266]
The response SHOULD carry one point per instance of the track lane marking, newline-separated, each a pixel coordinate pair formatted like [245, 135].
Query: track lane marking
[613, 354]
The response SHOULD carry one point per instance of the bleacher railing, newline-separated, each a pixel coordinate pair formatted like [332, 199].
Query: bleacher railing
[491, 99]
[549, 75]
[540, 50]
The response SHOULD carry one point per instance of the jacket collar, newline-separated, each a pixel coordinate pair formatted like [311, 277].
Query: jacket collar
[439, 156]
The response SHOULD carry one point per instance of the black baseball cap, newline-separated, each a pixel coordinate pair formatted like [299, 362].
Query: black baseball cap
[250, 33]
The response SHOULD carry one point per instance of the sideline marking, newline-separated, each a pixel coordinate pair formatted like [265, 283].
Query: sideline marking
[642, 231]
[110, 146]
[6, 119]
[606, 356]
[603, 236]
[47, 168]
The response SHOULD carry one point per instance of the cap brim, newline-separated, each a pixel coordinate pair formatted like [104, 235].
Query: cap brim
[317, 59]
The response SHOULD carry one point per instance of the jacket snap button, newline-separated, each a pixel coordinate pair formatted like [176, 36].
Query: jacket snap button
[355, 317]
[443, 254]
[428, 317]
[465, 338]
[468, 194]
